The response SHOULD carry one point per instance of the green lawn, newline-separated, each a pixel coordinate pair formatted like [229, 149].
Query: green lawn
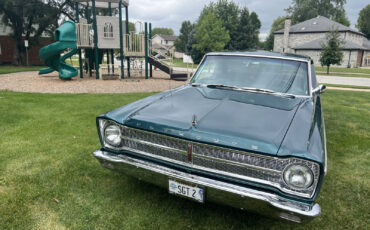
[4, 69]
[177, 62]
[343, 70]
[49, 179]
[348, 86]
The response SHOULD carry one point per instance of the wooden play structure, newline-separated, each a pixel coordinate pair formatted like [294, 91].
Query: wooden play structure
[100, 37]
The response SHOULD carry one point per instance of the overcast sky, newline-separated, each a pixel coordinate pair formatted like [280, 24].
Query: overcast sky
[170, 13]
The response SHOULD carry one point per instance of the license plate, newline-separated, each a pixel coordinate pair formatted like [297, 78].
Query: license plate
[192, 192]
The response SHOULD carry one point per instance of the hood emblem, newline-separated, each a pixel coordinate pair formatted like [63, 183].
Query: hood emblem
[194, 121]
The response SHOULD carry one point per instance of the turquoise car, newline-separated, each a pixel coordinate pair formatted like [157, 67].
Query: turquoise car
[246, 131]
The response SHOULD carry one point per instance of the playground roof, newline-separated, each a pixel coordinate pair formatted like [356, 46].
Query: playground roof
[103, 3]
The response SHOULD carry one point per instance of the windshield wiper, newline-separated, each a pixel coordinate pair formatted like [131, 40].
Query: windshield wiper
[269, 92]
[221, 86]
[215, 86]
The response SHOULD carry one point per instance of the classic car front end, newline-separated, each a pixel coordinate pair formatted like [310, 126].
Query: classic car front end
[247, 131]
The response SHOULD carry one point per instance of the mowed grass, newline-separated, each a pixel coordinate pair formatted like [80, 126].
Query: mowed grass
[4, 69]
[343, 74]
[50, 180]
[343, 70]
[347, 86]
[177, 62]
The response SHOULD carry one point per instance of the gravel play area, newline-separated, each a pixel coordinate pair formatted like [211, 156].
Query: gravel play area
[50, 83]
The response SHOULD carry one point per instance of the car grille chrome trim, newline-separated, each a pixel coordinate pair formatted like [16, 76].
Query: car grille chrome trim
[224, 161]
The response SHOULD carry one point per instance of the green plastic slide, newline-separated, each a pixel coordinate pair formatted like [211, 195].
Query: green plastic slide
[65, 37]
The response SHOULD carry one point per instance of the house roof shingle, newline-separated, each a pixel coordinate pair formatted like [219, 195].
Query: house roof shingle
[366, 43]
[316, 25]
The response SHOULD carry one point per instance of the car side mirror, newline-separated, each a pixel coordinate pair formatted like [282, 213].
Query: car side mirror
[319, 90]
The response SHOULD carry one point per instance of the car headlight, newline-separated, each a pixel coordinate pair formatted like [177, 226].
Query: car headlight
[112, 135]
[298, 176]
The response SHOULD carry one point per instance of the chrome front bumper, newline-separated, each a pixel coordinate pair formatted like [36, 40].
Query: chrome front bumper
[267, 204]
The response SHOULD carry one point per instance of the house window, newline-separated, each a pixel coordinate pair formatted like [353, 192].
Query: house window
[108, 30]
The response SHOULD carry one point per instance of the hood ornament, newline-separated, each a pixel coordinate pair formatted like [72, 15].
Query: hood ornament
[194, 121]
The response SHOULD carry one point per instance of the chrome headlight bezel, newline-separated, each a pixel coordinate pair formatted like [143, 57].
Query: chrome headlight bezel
[301, 171]
[103, 125]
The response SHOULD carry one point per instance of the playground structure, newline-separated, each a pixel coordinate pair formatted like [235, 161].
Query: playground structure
[97, 37]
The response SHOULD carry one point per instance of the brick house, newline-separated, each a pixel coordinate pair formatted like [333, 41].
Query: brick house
[305, 38]
[7, 47]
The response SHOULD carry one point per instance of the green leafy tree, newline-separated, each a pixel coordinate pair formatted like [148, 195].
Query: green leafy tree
[30, 19]
[302, 10]
[228, 13]
[363, 21]
[210, 35]
[162, 30]
[278, 24]
[196, 54]
[248, 28]
[331, 53]
[131, 27]
[182, 41]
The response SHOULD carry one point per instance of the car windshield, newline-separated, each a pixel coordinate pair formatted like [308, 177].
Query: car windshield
[269, 74]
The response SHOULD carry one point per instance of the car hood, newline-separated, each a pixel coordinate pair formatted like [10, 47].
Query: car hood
[242, 120]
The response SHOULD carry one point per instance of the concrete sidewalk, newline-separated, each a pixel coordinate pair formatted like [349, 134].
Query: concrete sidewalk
[336, 80]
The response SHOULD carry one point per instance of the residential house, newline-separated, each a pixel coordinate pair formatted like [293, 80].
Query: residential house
[7, 44]
[306, 38]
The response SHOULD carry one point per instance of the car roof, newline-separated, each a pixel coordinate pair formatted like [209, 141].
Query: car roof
[264, 54]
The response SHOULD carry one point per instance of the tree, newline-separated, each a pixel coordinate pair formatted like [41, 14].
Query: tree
[302, 10]
[30, 19]
[196, 54]
[248, 28]
[331, 53]
[278, 24]
[363, 21]
[182, 41]
[228, 13]
[162, 30]
[210, 35]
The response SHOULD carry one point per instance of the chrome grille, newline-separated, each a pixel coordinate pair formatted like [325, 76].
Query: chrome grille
[234, 163]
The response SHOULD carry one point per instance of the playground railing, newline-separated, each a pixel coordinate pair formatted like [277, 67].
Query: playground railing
[134, 44]
[85, 35]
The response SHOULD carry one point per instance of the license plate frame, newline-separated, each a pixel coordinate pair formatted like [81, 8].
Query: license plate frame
[181, 189]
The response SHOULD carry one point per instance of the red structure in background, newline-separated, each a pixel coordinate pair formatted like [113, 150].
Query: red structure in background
[7, 49]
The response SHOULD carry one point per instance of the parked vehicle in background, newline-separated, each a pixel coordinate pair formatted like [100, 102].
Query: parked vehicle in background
[247, 131]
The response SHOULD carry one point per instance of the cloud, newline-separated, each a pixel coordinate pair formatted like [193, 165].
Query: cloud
[263, 36]
[171, 13]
